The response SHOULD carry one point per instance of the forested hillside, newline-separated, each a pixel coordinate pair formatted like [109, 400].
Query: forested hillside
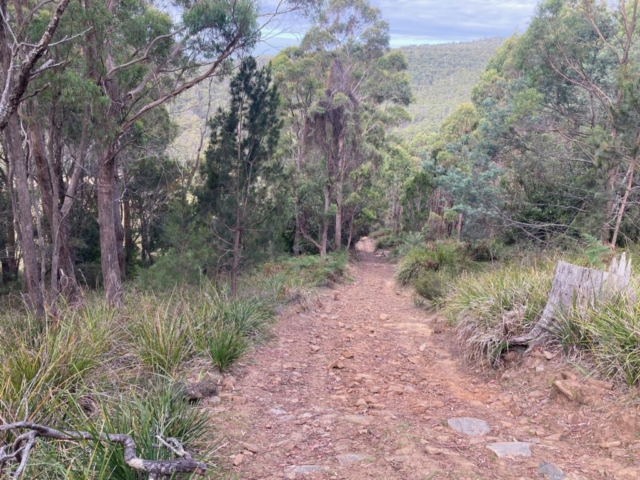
[442, 77]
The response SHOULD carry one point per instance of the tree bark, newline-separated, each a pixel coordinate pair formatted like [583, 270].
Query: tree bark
[18, 160]
[117, 223]
[64, 279]
[106, 221]
[623, 205]
[236, 258]
[325, 220]
[9, 260]
[128, 232]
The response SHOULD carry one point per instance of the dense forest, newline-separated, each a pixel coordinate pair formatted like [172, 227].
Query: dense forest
[442, 77]
[163, 192]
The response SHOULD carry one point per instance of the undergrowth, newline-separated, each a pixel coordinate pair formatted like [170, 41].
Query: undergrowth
[491, 307]
[494, 306]
[94, 369]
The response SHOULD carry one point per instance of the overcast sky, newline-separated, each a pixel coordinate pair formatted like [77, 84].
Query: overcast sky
[433, 21]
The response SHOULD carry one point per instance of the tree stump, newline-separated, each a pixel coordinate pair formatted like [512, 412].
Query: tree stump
[579, 286]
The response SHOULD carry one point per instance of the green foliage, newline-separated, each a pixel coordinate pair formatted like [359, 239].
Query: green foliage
[495, 306]
[420, 260]
[608, 330]
[225, 345]
[595, 252]
[39, 358]
[159, 331]
[431, 285]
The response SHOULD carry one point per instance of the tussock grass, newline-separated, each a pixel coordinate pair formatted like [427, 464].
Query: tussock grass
[609, 331]
[124, 362]
[496, 305]
[446, 257]
[225, 346]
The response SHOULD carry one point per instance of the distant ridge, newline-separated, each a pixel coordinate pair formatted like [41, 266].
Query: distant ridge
[442, 77]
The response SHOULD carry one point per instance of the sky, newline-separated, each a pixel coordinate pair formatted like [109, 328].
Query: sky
[418, 22]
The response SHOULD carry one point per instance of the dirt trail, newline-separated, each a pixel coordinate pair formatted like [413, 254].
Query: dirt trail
[382, 412]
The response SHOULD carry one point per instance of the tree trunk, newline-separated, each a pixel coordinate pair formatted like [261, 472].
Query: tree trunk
[117, 223]
[339, 202]
[129, 246]
[18, 161]
[325, 220]
[350, 239]
[9, 260]
[106, 221]
[236, 259]
[609, 205]
[64, 279]
[623, 205]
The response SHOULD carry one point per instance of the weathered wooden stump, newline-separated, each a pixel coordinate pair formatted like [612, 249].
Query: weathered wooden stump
[581, 287]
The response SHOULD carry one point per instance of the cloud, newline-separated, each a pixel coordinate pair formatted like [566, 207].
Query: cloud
[427, 21]
[431, 21]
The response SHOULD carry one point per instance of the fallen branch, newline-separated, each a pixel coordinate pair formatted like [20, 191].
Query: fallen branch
[18, 451]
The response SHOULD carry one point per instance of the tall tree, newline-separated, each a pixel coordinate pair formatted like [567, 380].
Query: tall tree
[240, 168]
[362, 81]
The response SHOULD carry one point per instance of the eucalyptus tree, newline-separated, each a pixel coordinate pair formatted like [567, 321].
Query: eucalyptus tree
[580, 56]
[361, 81]
[25, 36]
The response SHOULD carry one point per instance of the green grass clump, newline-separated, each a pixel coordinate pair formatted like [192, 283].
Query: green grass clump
[431, 286]
[159, 333]
[497, 305]
[449, 257]
[225, 345]
[318, 271]
[610, 331]
[41, 357]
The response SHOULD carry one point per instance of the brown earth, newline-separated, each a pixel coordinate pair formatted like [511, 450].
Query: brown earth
[361, 387]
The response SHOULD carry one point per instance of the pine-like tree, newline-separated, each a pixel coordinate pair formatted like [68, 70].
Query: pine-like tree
[240, 169]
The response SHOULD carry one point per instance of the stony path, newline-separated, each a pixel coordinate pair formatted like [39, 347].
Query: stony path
[362, 388]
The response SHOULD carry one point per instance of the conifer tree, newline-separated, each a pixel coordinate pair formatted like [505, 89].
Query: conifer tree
[240, 170]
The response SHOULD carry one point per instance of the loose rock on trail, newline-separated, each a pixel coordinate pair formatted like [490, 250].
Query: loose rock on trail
[360, 387]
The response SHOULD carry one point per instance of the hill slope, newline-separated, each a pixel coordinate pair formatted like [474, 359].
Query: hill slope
[442, 77]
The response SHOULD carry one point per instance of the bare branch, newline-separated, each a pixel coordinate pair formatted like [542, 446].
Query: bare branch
[156, 468]
[9, 105]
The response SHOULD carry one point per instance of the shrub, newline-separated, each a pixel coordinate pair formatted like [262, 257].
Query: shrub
[431, 285]
[416, 263]
[495, 306]
[318, 271]
[439, 256]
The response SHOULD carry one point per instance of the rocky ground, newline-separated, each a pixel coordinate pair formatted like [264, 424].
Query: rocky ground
[367, 386]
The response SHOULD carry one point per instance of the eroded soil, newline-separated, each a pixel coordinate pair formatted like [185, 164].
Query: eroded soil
[362, 387]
